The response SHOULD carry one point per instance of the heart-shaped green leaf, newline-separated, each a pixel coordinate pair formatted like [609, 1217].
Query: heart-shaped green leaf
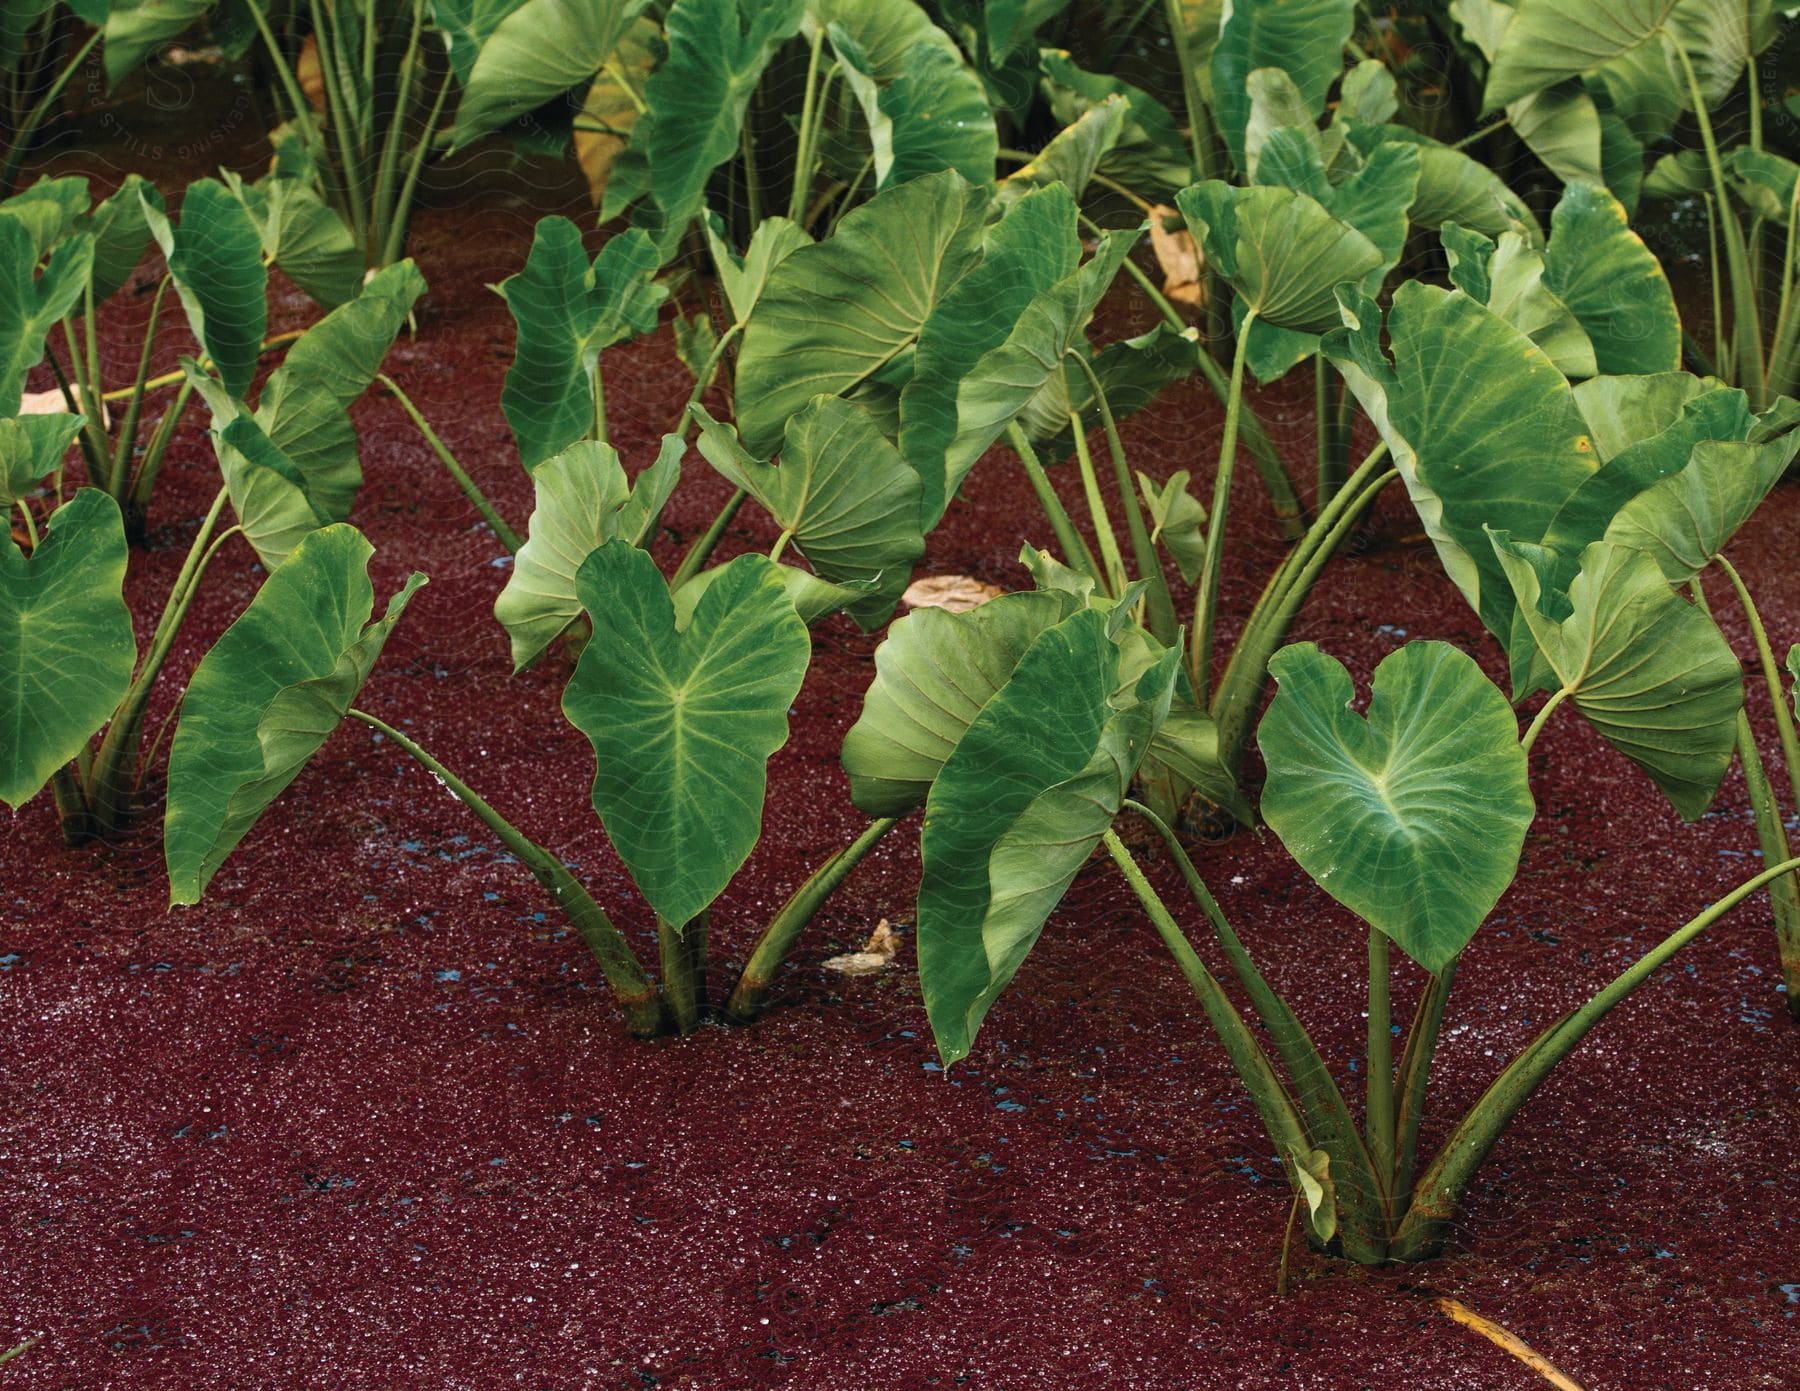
[532, 55]
[1482, 427]
[267, 697]
[30, 447]
[1649, 671]
[568, 310]
[1282, 252]
[934, 672]
[1413, 818]
[31, 304]
[743, 277]
[701, 92]
[836, 314]
[843, 492]
[66, 646]
[583, 501]
[303, 236]
[215, 259]
[683, 722]
[1686, 519]
[1615, 287]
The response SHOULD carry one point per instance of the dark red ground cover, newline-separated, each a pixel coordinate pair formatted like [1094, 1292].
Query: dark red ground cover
[363, 1118]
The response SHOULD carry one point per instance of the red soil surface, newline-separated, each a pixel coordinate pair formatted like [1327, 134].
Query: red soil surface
[364, 1118]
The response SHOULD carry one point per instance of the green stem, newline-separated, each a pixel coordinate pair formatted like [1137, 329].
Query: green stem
[402, 212]
[1273, 1104]
[701, 551]
[1771, 835]
[155, 453]
[1771, 670]
[618, 964]
[386, 167]
[1439, 1191]
[803, 154]
[1074, 548]
[1207, 603]
[1160, 607]
[1744, 316]
[1289, 514]
[599, 404]
[1325, 1113]
[1238, 700]
[113, 776]
[1415, 1076]
[1199, 126]
[1110, 556]
[471, 490]
[1543, 718]
[681, 983]
[751, 994]
[1378, 1123]
[126, 444]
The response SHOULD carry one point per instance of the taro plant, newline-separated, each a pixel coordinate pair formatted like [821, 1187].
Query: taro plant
[1565, 513]
[683, 685]
[218, 255]
[1591, 98]
[1021, 725]
[289, 467]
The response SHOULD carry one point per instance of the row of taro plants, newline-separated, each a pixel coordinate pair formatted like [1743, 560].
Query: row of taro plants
[913, 316]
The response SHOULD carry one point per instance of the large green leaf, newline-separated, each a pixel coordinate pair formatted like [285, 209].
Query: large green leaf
[683, 722]
[1649, 670]
[568, 310]
[271, 496]
[1281, 251]
[304, 406]
[267, 697]
[1483, 429]
[925, 107]
[30, 447]
[121, 236]
[536, 53]
[1452, 186]
[1149, 155]
[137, 28]
[31, 304]
[51, 208]
[934, 672]
[466, 25]
[1509, 280]
[1549, 40]
[835, 314]
[304, 237]
[1073, 154]
[1601, 269]
[849, 500]
[717, 52]
[1032, 247]
[1304, 37]
[1006, 379]
[1412, 818]
[66, 646]
[215, 259]
[1040, 730]
[583, 501]
[1133, 372]
[1685, 520]
[1373, 199]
